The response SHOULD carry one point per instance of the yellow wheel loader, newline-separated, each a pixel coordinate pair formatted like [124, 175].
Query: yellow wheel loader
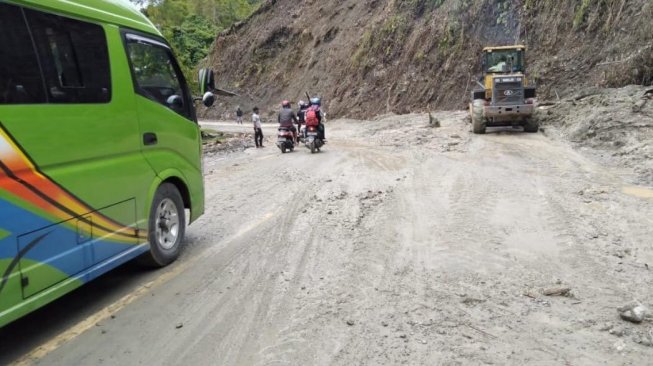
[503, 96]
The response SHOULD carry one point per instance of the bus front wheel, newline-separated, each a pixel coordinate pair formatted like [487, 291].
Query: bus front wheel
[166, 227]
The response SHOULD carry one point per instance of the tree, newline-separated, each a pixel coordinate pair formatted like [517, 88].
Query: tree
[191, 25]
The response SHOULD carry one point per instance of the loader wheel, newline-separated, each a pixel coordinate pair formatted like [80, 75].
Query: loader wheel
[531, 125]
[478, 123]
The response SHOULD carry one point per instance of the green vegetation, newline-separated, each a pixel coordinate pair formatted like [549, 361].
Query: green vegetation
[581, 13]
[360, 56]
[504, 10]
[192, 25]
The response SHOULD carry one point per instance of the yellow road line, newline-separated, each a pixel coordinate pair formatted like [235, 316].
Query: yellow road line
[88, 323]
[43, 350]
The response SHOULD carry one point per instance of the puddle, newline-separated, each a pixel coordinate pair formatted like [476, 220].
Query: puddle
[640, 192]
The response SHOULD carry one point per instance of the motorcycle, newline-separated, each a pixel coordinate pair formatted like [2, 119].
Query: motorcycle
[311, 139]
[285, 140]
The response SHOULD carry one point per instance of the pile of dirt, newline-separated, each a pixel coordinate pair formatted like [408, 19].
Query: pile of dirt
[227, 143]
[372, 57]
[614, 125]
[418, 130]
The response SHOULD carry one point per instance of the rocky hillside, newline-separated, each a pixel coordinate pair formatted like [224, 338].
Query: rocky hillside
[379, 56]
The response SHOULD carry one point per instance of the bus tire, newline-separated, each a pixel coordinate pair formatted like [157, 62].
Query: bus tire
[166, 226]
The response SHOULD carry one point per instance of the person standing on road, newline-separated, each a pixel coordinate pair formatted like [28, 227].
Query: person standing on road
[258, 131]
[239, 116]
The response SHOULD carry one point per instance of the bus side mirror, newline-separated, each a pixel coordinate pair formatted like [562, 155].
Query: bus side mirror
[208, 99]
[175, 102]
[206, 80]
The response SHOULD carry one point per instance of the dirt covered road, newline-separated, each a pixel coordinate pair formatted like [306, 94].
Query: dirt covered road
[399, 244]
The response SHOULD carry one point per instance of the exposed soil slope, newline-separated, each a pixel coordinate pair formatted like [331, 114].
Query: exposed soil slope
[379, 56]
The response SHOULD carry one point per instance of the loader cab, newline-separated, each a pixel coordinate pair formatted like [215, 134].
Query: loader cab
[504, 60]
[498, 62]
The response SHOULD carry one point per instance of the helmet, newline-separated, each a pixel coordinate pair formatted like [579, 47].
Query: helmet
[285, 104]
[301, 104]
[316, 101]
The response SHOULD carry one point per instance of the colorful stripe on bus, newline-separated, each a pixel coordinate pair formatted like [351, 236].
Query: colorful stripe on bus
[32, 202]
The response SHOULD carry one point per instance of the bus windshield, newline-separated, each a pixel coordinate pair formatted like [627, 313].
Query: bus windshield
[504, 61]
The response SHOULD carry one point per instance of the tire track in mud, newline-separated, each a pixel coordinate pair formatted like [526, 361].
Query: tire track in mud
[291, 262]
[269, 294]
[529, 234]
[438, 316]
[265, 308]
[367, 266]
[343, 293]
[563, 218]
[290, 336]
[566, 212]
[370, 267]
[280, 339]
[260, 275]
[474, 199]
[230, 304]
[404, 288]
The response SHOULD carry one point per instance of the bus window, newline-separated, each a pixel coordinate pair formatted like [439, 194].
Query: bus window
[156, 75]
[74, 58]
[20, 79]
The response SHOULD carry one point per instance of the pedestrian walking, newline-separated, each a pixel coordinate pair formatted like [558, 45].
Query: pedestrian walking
[258, 131]
[239, 116]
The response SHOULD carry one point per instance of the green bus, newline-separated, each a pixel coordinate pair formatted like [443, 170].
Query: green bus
[100, 149]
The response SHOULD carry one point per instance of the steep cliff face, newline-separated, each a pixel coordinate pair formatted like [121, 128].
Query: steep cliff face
[376, 56]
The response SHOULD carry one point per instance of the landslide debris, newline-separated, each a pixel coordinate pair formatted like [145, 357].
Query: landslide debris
[614, 125]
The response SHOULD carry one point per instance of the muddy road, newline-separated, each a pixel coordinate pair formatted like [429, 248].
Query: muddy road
[398, 244]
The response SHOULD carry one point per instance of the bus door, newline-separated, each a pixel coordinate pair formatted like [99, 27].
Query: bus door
[171, 135]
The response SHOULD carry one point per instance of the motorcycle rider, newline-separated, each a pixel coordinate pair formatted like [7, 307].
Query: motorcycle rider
[314, 108]
[301, 116]
[287, 117]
